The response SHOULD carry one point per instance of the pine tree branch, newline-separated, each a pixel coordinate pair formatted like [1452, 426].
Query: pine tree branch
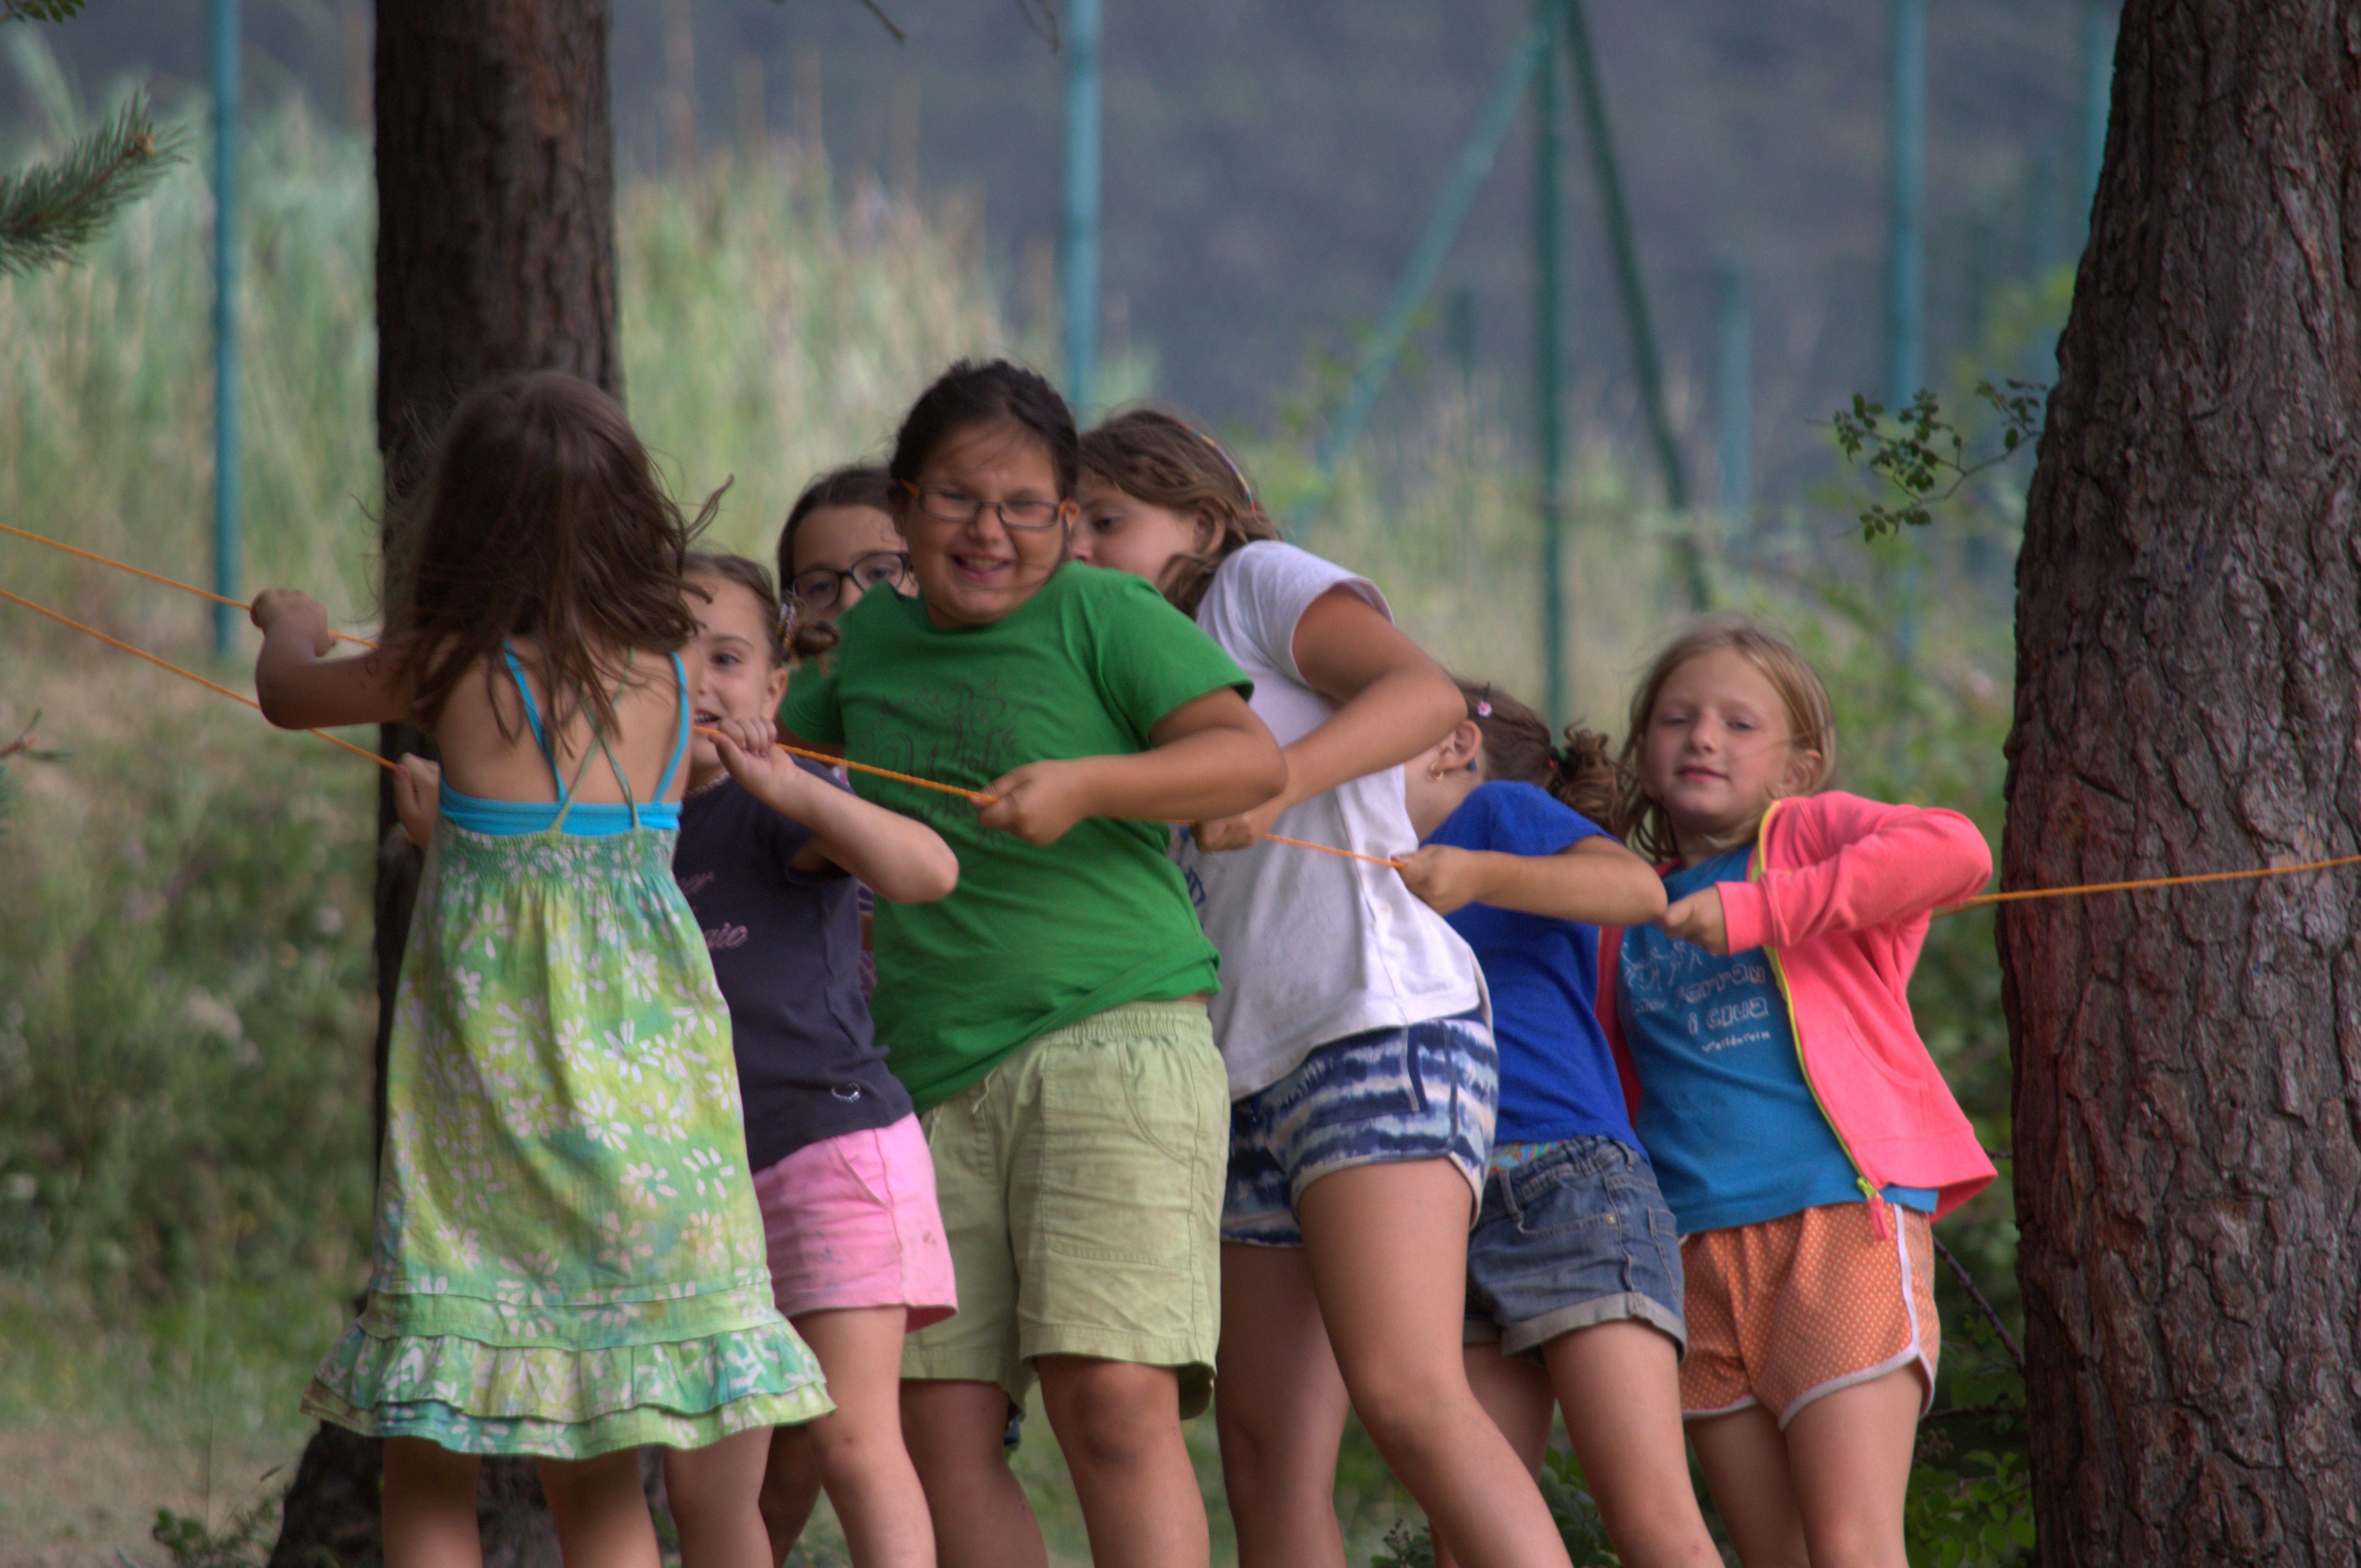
[51, 210]
[38, 10]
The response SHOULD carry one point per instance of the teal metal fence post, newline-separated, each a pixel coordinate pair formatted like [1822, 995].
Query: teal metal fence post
[1426, 262]
[1647, 367]
[1905, 280]
[226, 31]
[1549, 396]
[1081, 238]
[1733, 392]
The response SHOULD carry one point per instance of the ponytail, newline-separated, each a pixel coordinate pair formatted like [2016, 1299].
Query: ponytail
[1518, 746]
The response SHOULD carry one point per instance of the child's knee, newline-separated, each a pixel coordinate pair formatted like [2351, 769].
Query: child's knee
[1111, 1414]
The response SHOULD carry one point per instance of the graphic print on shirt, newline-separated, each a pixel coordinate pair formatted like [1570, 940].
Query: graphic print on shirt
[970, 732]
[1720, 1004]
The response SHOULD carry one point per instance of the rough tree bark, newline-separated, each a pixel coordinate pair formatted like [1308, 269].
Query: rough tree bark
[2188, 1063]
[495, 252]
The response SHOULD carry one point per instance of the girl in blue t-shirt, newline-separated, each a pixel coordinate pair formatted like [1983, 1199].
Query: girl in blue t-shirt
[1574, 1269]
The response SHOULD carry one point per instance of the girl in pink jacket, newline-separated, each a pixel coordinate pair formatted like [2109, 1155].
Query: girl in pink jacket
[1801, 1134]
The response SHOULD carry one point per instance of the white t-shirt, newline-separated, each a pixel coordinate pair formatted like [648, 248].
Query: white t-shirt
[1314, 947]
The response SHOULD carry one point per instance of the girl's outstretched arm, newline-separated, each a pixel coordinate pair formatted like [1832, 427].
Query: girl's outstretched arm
[1209, 757]
[1392, 702]
[1598, 880]
[301, 690]
[900, 859]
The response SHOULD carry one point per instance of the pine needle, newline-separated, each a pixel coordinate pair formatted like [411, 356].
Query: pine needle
[51, 210]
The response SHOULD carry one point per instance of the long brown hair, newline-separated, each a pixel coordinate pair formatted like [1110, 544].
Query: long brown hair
[1518, 746]
[1811, 718]
[755, 578]
[1167, 461]
[542, 518]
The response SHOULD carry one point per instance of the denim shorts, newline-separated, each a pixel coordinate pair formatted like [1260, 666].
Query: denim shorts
[1577, 1234]
[1427, 1092]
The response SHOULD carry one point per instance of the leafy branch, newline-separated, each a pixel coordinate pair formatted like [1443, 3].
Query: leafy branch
[1923, 455]
[51, 210]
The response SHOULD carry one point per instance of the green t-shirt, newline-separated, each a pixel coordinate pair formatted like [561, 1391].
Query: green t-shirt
[1036, 936]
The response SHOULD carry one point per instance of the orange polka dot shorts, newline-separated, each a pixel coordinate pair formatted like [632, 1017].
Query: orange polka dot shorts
[1784, 1311]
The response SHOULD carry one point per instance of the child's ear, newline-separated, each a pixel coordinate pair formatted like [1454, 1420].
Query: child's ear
[1462, 747]
[774, 690]
[1803, 767]
[1208, 531]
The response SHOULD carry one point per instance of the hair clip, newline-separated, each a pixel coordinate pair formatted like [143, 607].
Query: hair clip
[1483, 709]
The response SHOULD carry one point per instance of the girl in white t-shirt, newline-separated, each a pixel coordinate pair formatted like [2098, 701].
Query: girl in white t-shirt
[1353, 1021]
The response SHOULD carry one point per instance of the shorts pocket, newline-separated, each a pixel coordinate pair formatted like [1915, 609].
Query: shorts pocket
[1574, 1202]
[1101, 1187]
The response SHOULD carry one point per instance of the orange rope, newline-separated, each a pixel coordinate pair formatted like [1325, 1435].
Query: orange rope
[152, 576]
[184, 675]
[823, 757]
[1333, 850]
[2021, 895]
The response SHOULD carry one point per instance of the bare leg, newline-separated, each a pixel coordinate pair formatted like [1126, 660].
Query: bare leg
[1388, 1250]
[715, 1493]
[859, 1447]
[1849, 1454]
[1516, 1395]
[1618, 1384]
[980, 1516]
[600, 1512]
[790, 1488]
[430, 1507]
[1745, 1460]
[1119, 1425]
[1278, 1406]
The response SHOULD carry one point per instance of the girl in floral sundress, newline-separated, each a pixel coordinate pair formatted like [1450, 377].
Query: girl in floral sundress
[569, 1262]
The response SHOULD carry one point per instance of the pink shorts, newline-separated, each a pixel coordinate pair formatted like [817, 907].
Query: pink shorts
[852, 1221]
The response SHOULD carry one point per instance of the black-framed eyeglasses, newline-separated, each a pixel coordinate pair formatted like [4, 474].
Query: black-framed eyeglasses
[815, 589]
[945, 504]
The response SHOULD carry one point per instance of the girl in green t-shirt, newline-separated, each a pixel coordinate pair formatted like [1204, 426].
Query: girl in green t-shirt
[1049, 1016]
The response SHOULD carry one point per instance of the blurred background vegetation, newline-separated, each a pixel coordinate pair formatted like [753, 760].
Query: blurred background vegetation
[185, 987]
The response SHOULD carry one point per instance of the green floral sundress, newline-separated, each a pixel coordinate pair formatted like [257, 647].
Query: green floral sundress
[570, 1259]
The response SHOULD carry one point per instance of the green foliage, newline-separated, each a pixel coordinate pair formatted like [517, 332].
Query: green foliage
[242, 1541]
[38, 10]
[1922, 456]
[1971, 1500]
[1411, 1544]
[53, 209]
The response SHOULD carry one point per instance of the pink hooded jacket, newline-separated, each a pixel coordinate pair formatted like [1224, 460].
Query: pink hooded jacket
[1837, 896]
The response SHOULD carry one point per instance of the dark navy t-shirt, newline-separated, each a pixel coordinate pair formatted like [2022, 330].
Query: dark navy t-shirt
[1557, 1077]
[786, 948]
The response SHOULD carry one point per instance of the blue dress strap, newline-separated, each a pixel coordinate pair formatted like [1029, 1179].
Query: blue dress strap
[680, 747]
[533, 717]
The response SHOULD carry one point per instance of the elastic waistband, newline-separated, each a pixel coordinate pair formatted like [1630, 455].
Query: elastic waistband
[1128, 1021]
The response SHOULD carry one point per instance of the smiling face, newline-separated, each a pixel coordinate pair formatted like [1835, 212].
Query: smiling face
[737, 675]
[1128, 534]
[833, 539]
[1718, 751]
[977, 571]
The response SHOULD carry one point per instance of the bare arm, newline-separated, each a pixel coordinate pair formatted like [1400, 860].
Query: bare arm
[1598, 880]
[1392, 702]
[301, 690]
[901, 858]
[1208, 757]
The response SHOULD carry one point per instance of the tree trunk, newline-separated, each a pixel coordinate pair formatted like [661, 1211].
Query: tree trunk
[495, 252]
[2188, 1062]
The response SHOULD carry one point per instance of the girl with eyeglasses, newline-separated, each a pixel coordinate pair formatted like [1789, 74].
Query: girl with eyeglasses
[1048, 1017]
[839, 543]
[1353, 1021]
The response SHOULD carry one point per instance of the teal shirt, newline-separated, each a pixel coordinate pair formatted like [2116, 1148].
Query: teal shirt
[1036, 936]
[1725, 1114]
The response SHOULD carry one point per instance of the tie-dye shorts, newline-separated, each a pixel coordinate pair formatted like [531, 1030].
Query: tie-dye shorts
[1427, 1092]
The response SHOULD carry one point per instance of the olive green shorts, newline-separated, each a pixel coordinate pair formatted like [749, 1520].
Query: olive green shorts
[1080, 1185]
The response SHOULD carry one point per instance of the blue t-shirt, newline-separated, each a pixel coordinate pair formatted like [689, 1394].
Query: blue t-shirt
[1732, 1127]
[1557, 1075]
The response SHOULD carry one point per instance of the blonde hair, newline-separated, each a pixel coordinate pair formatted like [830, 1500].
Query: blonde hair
[1811, 721]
